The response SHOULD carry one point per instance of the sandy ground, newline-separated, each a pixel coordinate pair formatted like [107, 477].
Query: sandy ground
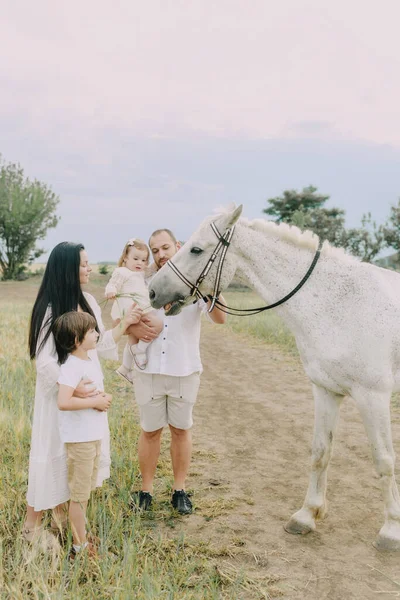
[252, 439]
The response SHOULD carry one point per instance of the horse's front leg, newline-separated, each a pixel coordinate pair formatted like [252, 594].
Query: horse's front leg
[375, 412]
[327, 406]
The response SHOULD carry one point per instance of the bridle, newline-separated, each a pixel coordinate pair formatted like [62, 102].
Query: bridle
[221, 248]
[223, 244]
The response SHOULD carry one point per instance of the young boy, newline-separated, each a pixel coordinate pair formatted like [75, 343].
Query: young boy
[82, 421]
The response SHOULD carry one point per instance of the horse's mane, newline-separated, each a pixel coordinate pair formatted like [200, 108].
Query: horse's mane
[292, 234]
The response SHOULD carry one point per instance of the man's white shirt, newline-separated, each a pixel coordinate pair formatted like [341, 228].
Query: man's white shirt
[176, 351]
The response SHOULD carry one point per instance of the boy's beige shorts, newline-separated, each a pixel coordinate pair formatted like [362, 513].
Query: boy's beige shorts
[83, 465]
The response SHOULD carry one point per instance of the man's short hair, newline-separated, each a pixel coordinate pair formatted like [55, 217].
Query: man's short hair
[158, 231]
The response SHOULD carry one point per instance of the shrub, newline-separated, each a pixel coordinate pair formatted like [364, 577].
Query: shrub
[103, 269]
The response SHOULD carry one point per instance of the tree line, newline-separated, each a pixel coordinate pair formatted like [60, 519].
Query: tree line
[306, 210]
[28, 210]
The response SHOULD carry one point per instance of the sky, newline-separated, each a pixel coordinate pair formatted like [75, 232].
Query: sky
[148, 114]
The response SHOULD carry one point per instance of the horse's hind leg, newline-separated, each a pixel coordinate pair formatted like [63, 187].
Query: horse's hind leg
[375, 412]
[327, 405]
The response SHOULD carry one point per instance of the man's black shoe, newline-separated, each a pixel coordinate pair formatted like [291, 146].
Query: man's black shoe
[181, 502]
[141, 500]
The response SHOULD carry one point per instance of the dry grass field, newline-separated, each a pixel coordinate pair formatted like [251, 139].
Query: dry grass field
[252, 434]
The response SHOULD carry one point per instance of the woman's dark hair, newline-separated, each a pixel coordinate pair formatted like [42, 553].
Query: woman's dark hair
[70, 329]
[60, 291]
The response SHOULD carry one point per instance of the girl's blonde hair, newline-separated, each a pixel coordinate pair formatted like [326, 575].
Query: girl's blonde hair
[136, 243]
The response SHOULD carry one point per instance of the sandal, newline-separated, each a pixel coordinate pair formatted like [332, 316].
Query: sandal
[90, 551]
[41, 536]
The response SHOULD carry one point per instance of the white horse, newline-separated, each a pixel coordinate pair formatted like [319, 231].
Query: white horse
[346, 321]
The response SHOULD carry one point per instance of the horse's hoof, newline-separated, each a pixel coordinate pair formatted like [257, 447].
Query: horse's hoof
[297, 528]
[385, 544]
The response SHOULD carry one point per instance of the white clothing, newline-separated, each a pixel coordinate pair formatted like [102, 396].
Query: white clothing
[86, 425]
[125, 281]
[176, 351]
[47, 483]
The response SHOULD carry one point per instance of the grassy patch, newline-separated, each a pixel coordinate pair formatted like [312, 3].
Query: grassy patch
[140, 558]
[216, 507]
[396, 401]
[266, 326]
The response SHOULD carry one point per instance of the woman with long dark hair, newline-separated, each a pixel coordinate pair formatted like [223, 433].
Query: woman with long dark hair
[60, 292]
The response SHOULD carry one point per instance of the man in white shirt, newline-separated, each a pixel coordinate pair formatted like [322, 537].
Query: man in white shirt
[166, 389]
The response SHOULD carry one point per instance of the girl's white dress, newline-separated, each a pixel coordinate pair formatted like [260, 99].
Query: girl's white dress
[125, 281]
[47, 484]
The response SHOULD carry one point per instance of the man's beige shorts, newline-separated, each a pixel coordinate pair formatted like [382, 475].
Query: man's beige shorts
[83, 465]
[166, 400]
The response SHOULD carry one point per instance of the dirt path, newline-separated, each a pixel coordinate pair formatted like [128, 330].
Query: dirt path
[252, 436]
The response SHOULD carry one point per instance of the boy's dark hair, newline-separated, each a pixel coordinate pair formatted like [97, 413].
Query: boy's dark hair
[70, 328]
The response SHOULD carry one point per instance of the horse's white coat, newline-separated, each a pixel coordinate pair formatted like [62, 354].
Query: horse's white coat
[346, 321]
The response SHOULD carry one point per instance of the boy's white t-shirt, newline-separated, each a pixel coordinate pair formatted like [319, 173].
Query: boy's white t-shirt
[88, 424]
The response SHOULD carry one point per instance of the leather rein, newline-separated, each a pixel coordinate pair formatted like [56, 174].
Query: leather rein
[221, 249]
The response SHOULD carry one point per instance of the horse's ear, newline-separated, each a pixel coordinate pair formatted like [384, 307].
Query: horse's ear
[227, 220]
[236, 214]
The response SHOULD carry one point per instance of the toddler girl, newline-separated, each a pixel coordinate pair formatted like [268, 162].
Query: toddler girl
[128, 282]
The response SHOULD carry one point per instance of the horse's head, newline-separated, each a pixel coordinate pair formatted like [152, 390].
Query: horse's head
[166, 288]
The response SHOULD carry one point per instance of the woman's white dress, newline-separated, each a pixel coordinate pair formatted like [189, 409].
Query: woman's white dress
[47, 483]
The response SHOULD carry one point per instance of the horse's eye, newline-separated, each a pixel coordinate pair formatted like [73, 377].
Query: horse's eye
[196, 250]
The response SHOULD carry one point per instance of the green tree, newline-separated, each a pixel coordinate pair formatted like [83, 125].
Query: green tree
[391, 230]
[284, 207]
[366, 241]
[327, 223]
[27, 211]
[305, 209]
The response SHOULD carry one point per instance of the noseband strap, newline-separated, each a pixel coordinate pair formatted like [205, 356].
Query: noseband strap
[223, 244]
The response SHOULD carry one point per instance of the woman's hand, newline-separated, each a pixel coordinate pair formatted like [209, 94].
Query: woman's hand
[132, 315]
[111, 295]
[85, 389]
[102, 402]
[143, 330]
